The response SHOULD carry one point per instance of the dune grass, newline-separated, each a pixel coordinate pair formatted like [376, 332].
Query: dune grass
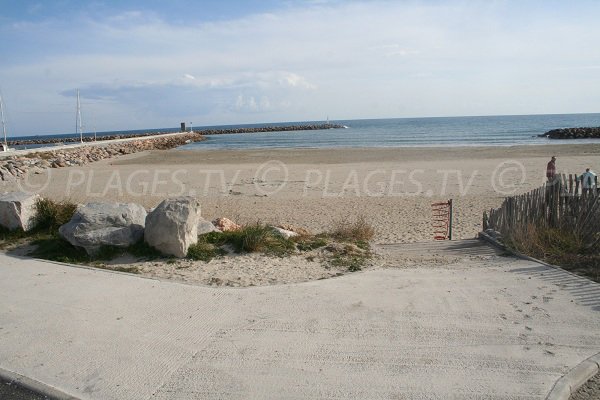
[50, 214]
[358, 230]
[561, 247]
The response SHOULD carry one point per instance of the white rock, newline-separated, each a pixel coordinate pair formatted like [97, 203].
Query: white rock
[205, 226]
[283, 232]
[172, 227]
[96, 224]
[17, 210]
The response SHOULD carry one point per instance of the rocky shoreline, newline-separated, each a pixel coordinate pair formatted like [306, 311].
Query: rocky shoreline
[573, 133]
[205, 132]
[15, 167]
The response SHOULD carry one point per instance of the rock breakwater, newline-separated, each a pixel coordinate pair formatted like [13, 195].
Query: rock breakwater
[573, 133]
[28, 142]
[15, 167]
[270, 129]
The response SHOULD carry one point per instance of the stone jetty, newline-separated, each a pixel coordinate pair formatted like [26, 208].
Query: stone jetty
[270, 129]
[573, 133]
[42, 140]
[15, 167]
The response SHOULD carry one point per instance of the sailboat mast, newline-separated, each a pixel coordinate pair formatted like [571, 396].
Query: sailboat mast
[78, 126]
[3, 122]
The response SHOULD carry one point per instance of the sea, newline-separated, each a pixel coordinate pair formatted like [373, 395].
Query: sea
[507, 130]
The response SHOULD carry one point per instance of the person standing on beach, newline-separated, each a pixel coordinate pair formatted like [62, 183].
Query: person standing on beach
[588, 181]
[551, 169]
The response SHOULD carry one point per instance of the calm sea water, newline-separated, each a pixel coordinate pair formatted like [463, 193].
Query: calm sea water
[404, 132]
[397, 132]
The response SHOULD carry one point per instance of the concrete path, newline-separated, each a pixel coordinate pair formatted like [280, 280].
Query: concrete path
[487, 327]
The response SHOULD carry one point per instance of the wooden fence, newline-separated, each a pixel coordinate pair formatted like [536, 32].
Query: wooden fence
[558, 204]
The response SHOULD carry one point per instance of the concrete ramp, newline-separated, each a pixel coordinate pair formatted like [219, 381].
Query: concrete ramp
[465, 247]
[480, 327]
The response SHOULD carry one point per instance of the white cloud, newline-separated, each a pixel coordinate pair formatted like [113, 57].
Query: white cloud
[295, 80]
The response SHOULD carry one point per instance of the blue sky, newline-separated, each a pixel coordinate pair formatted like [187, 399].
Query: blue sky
[152, 64]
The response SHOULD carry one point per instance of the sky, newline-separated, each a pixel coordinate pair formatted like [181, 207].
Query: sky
[153, 64]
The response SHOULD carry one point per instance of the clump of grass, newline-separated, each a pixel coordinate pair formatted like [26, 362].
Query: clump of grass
[50, 215]
[359, 230]
[253, 238]
[308, 243]
[544, 242]
[203, 250]
[561, 247]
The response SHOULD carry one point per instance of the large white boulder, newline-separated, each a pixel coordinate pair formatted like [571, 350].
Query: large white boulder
[172, 227]
[112, 224]
[17, 210]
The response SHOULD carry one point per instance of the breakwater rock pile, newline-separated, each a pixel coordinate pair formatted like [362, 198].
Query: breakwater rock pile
[27, 142]
[270, 129]
[573, 133]
[41, 140]
[15, 167]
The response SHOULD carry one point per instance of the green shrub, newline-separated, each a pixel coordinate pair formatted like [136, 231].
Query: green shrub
[50, 215]
[251, 239]
[204, 251]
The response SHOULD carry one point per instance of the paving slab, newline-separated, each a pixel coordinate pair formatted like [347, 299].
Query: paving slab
[487, 327]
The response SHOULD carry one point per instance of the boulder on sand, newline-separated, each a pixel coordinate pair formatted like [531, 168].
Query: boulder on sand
[104, 224]
[205, 226]
[172, 227]
[17, 210]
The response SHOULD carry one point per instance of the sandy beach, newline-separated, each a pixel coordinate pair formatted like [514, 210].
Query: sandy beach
[312, 188]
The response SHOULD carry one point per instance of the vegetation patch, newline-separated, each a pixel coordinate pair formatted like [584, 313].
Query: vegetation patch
[562, 247]
[204, 250]
[346, 245]
[349, 256]
[50, 215]
[254, 238]
[308, 243]
[359, 230]
[141, 249]
[54, 248]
